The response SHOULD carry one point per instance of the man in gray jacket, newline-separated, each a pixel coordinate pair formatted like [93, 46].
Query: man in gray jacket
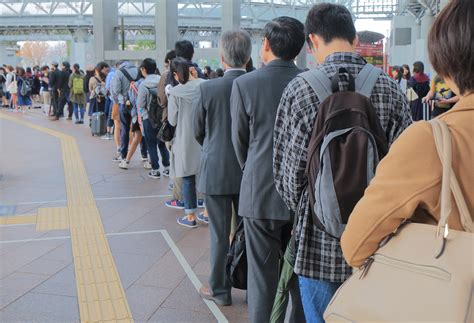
[220, 174]
[267, 220]
[125, 74]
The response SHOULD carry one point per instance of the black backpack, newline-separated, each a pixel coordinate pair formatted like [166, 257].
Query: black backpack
[236, 267]
[155, 111]
[346, 145]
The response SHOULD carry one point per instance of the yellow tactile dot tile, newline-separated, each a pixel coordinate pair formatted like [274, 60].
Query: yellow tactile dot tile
[17, 219]
[54, 218]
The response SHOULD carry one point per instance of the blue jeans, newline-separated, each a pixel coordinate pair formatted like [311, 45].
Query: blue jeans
[151, 143]
[78, 111]
[125, 121]
[108, 112]
[315, 296]
[189, 194]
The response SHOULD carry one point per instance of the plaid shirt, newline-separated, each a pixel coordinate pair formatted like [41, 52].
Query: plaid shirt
[319, 256]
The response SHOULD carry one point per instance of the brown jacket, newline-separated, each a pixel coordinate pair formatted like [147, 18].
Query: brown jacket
[408, 183]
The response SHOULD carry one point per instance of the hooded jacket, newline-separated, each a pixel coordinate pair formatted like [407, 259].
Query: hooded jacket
[149, 83]
[120, 85]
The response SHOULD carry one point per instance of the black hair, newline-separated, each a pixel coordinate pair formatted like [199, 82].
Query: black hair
[184, 49]
[249, 67]
[149, 65]
[408, 76]
[285, 36]
[76, 68]
[399, 70]
[28, 70]
[180, 66]
[220, 72]
[45, 67]
[418, 67]
[99, 67]
[67, 65]
[330, 21]
[170, 56]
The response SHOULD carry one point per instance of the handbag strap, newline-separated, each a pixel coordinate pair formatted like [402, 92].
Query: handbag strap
[449, 183]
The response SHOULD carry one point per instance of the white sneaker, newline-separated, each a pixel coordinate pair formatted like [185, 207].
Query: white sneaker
[166, 172]
[147, 165]
[123, 164]
[144, 159]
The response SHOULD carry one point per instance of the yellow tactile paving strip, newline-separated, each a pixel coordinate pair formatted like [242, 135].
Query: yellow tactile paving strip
[52, 218]
[17, 219]
[100, 292]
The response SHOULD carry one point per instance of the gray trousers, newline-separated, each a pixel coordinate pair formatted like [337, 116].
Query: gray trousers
[265, 242]
[219, 208]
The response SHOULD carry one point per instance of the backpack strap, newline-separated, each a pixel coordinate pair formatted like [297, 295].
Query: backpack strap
[366, 80]
[319, 82]
[127, 74]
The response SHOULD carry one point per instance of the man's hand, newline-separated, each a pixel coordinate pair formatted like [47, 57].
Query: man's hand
[426, 99]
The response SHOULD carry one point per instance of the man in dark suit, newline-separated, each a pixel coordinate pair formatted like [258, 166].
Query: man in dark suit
[220, 174]
[267, 220]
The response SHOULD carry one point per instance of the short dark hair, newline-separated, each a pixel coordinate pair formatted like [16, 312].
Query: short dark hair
[330, 21]
[184, 49]
[418, 67]
[181, 67]
[220, 72]
[149, 64]
[450, 44]
[170, 56]
[285, 36]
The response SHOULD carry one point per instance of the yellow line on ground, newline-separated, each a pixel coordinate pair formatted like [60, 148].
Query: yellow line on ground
[52, 218]
[17, 219]
[100, 292]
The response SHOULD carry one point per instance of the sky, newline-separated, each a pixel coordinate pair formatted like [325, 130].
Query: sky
[380, 26]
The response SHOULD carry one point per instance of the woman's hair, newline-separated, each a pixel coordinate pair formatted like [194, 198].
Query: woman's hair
[76, 69]
[418, 67]
[399, 71]
[408, 76]
[20, 71]
[220, 72]
[98, 69]
[180, 66]
[450, 44]
[28, 70]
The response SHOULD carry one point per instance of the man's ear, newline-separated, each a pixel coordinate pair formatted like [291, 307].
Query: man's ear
[314, 41]
[266, 45]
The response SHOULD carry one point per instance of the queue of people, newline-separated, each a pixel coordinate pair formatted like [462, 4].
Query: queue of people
[323, 164]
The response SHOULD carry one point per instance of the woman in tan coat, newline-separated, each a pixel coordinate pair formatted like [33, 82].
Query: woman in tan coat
[408, 181]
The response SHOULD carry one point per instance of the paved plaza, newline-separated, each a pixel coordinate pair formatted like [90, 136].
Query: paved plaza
[82, 240]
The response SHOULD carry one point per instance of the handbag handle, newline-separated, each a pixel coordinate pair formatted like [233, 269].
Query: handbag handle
[449, 184]
[442, 135]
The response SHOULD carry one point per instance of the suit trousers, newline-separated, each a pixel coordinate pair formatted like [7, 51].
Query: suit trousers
[219, 208]
[265, 242]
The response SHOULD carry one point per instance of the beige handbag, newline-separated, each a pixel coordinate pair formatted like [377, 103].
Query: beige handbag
[419, 274]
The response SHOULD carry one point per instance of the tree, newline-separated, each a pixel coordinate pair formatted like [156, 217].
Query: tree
[35, 52]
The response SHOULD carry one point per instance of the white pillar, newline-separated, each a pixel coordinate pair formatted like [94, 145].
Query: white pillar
[166, 28]
[230, 15]
[105, 20]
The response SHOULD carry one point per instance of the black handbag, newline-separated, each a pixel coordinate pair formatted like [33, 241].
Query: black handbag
[166, 132]
[237, 259]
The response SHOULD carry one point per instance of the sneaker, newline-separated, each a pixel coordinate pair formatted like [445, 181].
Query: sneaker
[175, 204]
[77, 122]
[154, 174]
[201, 204]
[81, 121]
[147, 165]
[107, 136]
[117, 159]
[166, 171]
[144, 159]
[170, 186]
[185, 222]
[123, 164]
[69, 118]
[202, 218]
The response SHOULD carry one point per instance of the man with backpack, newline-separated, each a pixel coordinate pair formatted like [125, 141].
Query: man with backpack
[151, 113]
[119, 87]
[356, 112]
